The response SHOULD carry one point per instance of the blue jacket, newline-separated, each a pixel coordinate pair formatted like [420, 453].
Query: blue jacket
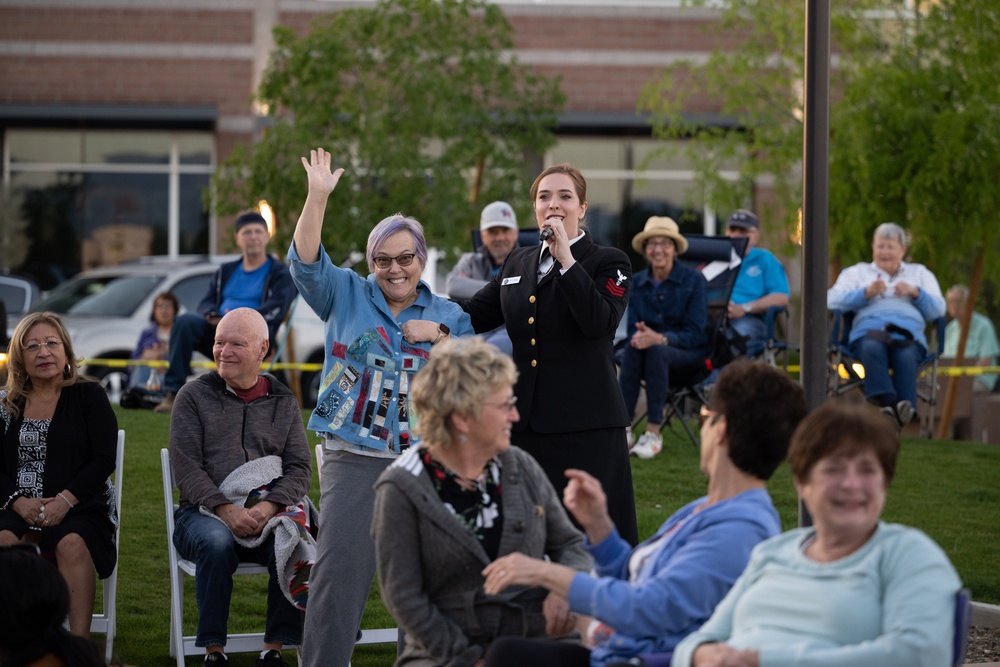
[368, 365]
[679, 586]
[677, 308]
[279, 292]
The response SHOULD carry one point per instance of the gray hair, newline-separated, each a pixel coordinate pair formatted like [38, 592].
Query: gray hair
[890, 230]
[961, 290]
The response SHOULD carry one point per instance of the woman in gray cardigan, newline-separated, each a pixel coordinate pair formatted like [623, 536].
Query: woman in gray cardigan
[464, 497]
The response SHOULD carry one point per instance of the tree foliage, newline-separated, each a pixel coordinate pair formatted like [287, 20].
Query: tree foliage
[917, 139]
[411, 97]
[754, 80]
[915, 128]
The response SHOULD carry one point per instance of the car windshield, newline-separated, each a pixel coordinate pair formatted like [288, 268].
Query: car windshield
[71, 292]
[119, 298]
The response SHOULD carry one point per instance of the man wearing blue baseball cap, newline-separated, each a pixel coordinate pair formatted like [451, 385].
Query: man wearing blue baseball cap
[761, 283]
[256, 280]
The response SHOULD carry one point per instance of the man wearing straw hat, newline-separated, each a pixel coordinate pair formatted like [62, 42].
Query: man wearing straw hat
[666, 325]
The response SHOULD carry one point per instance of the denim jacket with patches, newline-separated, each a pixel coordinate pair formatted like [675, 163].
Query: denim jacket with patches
[368, 366]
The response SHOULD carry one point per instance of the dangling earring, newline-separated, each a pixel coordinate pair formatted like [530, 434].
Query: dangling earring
[462, 439]
[69, 370]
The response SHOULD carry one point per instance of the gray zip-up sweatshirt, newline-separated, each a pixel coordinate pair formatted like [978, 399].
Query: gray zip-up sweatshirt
[213, 432]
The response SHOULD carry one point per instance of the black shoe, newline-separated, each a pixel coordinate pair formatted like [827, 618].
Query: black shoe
[216, 659]
[271, 659]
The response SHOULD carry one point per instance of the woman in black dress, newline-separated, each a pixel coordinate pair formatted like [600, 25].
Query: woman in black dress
[561, 303]
[56, 454]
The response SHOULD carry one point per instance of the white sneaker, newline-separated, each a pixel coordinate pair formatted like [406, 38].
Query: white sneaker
[649, 445]
[629, 437]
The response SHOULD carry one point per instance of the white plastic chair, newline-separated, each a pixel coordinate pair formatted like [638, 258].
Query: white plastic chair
[182, 645]
[105, 622]
[374, 636]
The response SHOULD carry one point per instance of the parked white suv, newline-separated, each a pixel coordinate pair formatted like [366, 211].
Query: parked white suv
[106, 309]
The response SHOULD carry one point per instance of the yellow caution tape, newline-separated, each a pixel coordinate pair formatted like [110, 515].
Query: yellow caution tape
[125, 363]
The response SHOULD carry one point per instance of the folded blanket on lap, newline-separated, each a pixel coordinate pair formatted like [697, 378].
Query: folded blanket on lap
[292, 526]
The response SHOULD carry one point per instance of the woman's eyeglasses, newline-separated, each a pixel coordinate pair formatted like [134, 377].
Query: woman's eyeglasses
[507, 405]
[49, 345]
[384, 262]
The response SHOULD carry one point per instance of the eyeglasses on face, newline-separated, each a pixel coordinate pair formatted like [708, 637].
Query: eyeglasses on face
[659, 243]
[507, 405]
[740, 230]
[50, 345]
[384, 262]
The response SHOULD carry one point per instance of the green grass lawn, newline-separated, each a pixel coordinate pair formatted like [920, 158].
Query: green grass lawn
[949, 490]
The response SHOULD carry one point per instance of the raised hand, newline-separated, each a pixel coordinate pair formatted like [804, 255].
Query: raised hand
[322, 180]
[586, 500]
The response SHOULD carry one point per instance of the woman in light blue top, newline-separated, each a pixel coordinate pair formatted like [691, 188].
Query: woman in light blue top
[379, 332]
[851, 590]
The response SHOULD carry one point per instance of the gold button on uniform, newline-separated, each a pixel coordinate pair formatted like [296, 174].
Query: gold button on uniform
[531, 299]
[532, 342]
[534, 362]
[531, 320]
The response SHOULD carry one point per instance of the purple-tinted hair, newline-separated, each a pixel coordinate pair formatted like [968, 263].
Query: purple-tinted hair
[388, 227]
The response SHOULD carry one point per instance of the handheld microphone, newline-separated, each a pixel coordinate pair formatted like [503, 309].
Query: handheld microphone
[545, 234]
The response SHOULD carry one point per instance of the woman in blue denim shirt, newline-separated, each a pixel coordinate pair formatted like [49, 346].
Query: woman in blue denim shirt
[666, 325]
[379, 332]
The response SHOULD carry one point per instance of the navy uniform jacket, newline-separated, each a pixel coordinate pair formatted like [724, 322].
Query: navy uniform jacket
[562, 328]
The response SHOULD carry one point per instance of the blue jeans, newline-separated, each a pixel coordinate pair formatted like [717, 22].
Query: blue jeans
[210, 544]
[877, 358]
[755, 330]
[652, 364]
[190, 332]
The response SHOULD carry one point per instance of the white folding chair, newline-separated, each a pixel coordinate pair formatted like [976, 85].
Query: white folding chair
[374, 636]
[182, 645]
[105, 622]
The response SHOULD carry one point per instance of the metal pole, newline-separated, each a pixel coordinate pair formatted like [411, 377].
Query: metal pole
[815, 205]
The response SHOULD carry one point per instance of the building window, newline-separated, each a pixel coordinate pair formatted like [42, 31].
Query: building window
[99, 197]
[630, 179]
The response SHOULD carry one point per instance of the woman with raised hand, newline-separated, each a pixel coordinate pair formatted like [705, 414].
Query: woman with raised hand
[379, 332]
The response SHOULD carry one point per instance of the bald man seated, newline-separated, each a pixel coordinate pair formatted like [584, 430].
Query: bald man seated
[220, 421]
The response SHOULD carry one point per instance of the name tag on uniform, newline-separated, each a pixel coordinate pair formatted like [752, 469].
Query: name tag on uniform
[513, 280]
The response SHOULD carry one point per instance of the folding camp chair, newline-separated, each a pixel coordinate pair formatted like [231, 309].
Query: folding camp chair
[718, 259]
[846, 372]
[777, 344]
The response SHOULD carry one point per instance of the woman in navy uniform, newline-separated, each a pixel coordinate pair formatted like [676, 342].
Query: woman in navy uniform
[561, 303]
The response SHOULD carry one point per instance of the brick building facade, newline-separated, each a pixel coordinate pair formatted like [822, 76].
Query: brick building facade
[133, 102]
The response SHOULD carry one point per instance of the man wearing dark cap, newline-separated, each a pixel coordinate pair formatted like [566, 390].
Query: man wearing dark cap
[256, 280]
[761, 283]
[498, 229]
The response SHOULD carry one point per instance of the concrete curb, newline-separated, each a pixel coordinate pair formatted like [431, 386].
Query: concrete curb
[985, 615]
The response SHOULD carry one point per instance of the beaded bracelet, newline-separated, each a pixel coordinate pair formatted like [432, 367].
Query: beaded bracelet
[60, 494]
[11, 499]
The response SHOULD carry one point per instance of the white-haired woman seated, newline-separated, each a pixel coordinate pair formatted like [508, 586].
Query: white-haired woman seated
[446, 509]
[892, 301]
